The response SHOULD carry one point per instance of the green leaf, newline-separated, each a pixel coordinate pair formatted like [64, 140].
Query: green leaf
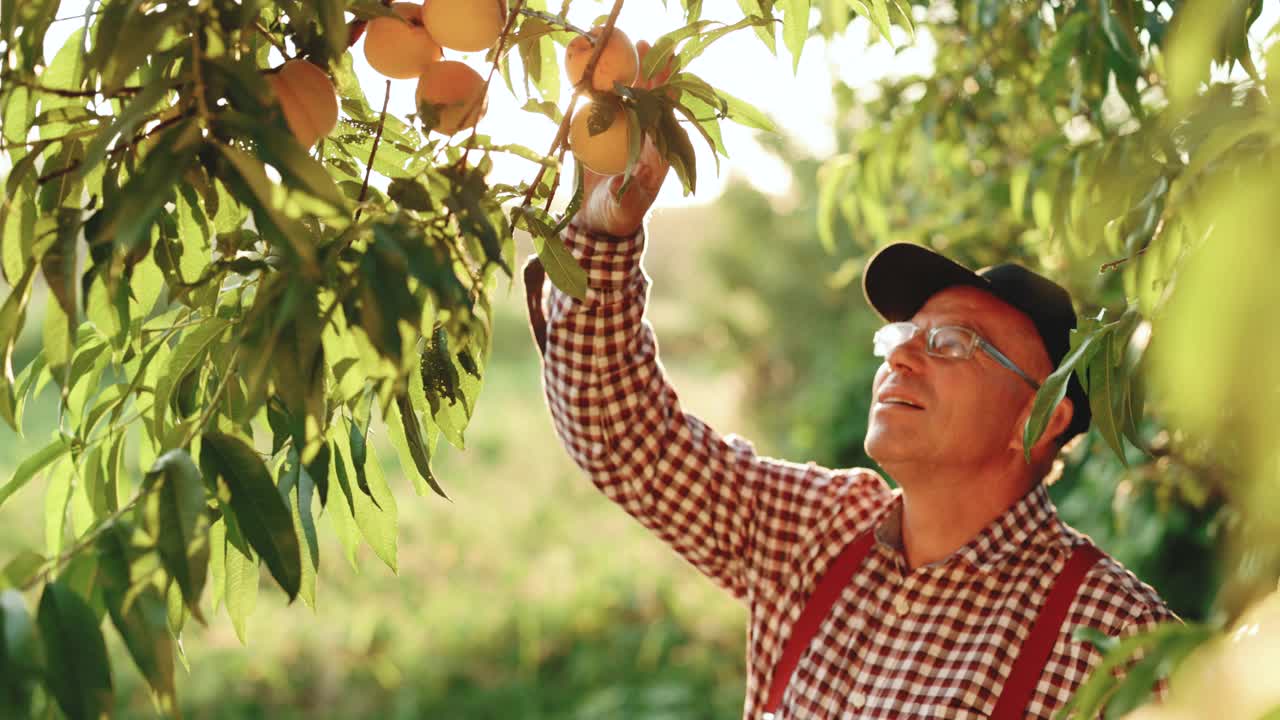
[139, 35]
[298, 489]
[126, 220]
[187, 357]
[410, 194]
[360, 458]
[406, 433]
[880, 18]
[1106, 394]
[242, 588]
[376, 514]
[1064, 49]
[34, 464]
[74, 648]
[678, 150]
[218, 560]
[259, 509]
[1117, 37]
[13, 315]
[1054, 388]
[1090, 697]
[795, 28]
[831, 182]
[138, 614]
[177, 513]
[562, 267]
[56, 498]
[19, 654]
[298, 170]
[125, 124]
[1139, 684]
[21, 569]
[764, 9]
[744, 113]
[248, 183]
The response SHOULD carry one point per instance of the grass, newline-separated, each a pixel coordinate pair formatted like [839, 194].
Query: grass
[528, 596]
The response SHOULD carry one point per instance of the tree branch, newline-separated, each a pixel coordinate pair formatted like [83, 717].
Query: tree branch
[68, 92]
[120, 148]
[557, 21]
[382, 119]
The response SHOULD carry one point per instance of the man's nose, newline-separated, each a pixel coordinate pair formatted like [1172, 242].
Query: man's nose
[908, 355]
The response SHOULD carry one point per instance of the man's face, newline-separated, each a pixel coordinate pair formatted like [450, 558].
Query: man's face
[966, 412]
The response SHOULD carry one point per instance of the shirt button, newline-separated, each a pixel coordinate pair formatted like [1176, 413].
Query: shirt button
[901, 606]
[857, 699]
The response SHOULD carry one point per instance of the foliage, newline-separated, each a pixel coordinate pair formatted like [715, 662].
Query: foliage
[216, 288]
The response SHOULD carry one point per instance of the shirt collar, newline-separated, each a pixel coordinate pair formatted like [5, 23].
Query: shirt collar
[1008, 533]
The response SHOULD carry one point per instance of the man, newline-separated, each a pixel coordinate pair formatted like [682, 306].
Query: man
[864, 602]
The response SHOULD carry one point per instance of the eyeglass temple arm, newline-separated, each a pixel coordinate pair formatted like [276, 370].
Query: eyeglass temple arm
[1000, 358]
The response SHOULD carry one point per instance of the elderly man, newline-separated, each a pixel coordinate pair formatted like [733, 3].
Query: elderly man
[952, 597]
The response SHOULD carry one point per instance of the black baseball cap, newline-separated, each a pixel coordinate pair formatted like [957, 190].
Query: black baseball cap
[901, 277]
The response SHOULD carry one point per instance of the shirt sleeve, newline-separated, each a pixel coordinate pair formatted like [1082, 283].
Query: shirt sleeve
[736, 516]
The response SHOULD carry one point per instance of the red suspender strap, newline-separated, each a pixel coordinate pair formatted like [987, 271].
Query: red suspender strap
[829, 587]
[1029, 665]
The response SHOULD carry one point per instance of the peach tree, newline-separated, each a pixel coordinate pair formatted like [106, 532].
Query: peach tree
[248, 265]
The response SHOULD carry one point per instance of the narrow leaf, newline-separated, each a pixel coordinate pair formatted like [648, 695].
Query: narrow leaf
[178, 511]
[259, 509]
[34, 464]
[74, 646]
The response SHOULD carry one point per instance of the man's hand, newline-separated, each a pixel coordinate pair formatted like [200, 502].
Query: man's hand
[602, 210]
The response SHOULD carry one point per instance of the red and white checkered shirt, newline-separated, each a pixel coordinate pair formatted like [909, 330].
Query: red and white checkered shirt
[934, 642]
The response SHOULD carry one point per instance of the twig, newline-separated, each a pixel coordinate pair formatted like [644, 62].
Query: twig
[556, 20]
[69, 93]
[81, 16]
[60, 138]
[1115, 264]
[213, 399]
[120, 148]
[272, 39]
[373, 152]
[196, 75]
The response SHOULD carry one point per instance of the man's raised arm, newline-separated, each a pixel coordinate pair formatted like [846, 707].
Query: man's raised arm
[736, 516]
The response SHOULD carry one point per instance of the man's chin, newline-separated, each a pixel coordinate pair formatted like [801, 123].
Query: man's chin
[885, 447]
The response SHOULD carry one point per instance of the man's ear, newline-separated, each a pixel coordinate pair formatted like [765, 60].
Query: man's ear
[1059, 419]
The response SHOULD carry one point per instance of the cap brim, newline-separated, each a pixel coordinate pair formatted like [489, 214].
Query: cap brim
[901, 277]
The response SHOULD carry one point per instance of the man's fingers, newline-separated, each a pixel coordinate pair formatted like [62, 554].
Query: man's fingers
[662, 75]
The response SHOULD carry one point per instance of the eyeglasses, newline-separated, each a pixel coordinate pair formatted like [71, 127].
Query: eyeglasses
[949, 341]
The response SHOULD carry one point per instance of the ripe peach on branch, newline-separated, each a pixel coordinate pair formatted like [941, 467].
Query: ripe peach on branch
[465, 25]
[618, 61]
[400, 49]
[456, 94]
[308, 99]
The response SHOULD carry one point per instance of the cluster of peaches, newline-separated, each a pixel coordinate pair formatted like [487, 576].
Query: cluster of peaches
[412, 46]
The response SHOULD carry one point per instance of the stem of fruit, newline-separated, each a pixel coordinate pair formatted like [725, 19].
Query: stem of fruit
[557, 21]
[377, 137]
[563, 133]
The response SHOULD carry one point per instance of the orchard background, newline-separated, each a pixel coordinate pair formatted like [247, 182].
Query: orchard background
[229, 355]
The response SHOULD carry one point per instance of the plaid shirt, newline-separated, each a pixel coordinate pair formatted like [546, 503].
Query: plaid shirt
[934, 642]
